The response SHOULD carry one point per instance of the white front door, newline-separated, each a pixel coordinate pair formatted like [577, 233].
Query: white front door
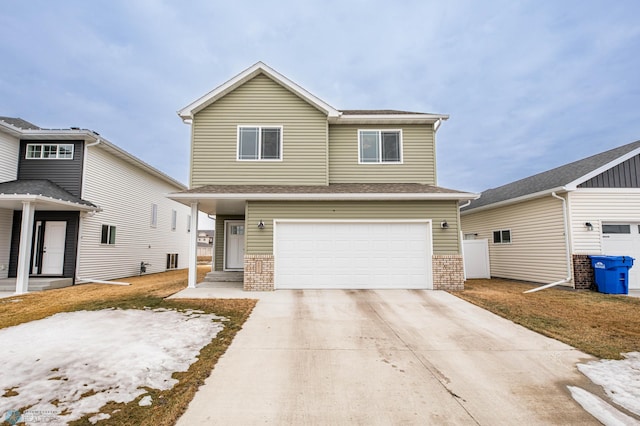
[234, 245]
[53, 248]
[623, 239]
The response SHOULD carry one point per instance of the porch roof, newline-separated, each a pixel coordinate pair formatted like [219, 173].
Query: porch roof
[45, 194]
[230, 199]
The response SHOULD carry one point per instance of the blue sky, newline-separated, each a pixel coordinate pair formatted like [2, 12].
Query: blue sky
[529, 85]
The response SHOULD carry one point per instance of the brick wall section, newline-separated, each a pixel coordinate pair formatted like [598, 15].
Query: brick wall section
[258, 272]
[448, 272]
[583, 272]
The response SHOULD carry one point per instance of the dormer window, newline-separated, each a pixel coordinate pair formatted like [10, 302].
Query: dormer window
[49, 151]
[379, 146]
[260, 143]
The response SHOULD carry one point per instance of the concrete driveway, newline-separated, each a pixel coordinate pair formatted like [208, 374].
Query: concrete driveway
[332, 357]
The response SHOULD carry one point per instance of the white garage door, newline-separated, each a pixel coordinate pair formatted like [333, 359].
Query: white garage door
[352, 255]
[623, 239]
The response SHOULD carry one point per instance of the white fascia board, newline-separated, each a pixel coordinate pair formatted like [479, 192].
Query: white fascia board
[47, 200]
[515, 200]
[12, 130]
[89, 136]
[573, 185]
[190, 110]
[389, 119]
[317, 197]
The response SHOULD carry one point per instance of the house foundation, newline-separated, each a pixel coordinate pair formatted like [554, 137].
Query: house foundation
[448, 272]
[258, 272]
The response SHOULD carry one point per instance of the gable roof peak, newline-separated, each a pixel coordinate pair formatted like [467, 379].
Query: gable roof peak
[248, 74]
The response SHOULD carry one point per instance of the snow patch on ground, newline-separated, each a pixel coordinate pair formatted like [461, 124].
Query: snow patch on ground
[76, 362]
[619, 378]
[145, 401]
[605, 413]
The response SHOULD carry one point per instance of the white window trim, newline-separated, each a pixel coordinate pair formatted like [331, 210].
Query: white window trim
[41, 145]
[380, 146]
[259, 127]
[501, 231]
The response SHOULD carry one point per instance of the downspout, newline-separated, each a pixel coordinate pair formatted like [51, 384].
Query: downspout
[566, 247]
[80, 218]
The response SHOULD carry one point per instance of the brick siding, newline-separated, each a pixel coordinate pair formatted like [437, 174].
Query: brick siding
[258, 272]
[583, 277]
[448, 272]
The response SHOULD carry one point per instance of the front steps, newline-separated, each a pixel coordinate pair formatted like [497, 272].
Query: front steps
[224, 277]
[36, 284]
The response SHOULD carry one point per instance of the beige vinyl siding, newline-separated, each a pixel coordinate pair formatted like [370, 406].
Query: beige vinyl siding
[6, 220]
[9, 152]
[260, 241]
[218, 242]
[537, 250]
[597, 206]
[126, 193]
[260, 102]
[418, 154]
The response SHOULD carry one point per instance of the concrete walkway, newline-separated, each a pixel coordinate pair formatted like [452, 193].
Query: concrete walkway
[406, 357]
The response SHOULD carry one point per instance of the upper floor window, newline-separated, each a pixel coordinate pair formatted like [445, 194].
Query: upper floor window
[259, 143]
[50, 151]
[108, 235]
[174, 219]
[154, 215]
[380, 146]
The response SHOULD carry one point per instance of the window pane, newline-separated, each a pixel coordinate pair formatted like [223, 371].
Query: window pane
[105, 234]
[390, 146]
[65, 151]
[369, 142]
[34, 151]
[616, 229]
[49, 151]
[270, 144]
[506, 236]
[112, 235]
[496, 237]
[248, 143]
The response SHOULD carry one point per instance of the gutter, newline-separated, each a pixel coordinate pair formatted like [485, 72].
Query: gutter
[566, 246]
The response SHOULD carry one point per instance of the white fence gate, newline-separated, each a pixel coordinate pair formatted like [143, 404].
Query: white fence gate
[476, 258]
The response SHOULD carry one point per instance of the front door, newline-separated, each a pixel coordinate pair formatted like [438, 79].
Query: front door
[53, 248]
[234, 245]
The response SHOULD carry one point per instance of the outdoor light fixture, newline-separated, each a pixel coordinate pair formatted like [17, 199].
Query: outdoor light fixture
[444, 224]
[589, 226]
[261, 224]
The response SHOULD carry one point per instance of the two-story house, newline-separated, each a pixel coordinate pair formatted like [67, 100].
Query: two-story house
[308, 196]
[75, 207]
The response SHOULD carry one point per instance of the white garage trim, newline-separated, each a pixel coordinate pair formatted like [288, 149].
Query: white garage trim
[411, 268]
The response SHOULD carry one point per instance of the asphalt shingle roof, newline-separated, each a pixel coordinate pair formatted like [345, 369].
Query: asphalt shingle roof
[42, 187]
[336, 188]
[554, 178]
[20, 123]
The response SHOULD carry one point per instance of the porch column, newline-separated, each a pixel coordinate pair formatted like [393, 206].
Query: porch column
[24, 252]
[193, 247]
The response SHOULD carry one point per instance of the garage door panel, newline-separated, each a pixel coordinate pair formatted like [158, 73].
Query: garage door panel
[352, 255]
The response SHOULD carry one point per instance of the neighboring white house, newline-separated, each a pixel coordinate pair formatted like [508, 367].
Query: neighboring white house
[205, 242]
[529, 237]
[91, 211]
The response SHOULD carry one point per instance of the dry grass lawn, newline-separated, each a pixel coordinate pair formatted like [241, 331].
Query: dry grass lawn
[599, 324]
[146, 291]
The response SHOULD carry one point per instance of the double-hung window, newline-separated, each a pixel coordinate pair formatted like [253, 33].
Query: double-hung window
[380, 146]
[260, 143]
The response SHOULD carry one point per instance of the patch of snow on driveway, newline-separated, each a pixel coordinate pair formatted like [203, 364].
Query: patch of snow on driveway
[619, 378]
[107, 355]
[605, 413]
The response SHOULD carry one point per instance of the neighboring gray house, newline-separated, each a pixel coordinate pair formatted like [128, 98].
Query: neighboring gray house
[542, 228]
[308, 196]
[74, 207]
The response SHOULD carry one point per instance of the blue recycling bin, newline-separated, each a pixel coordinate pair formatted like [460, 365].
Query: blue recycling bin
[612, 273]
